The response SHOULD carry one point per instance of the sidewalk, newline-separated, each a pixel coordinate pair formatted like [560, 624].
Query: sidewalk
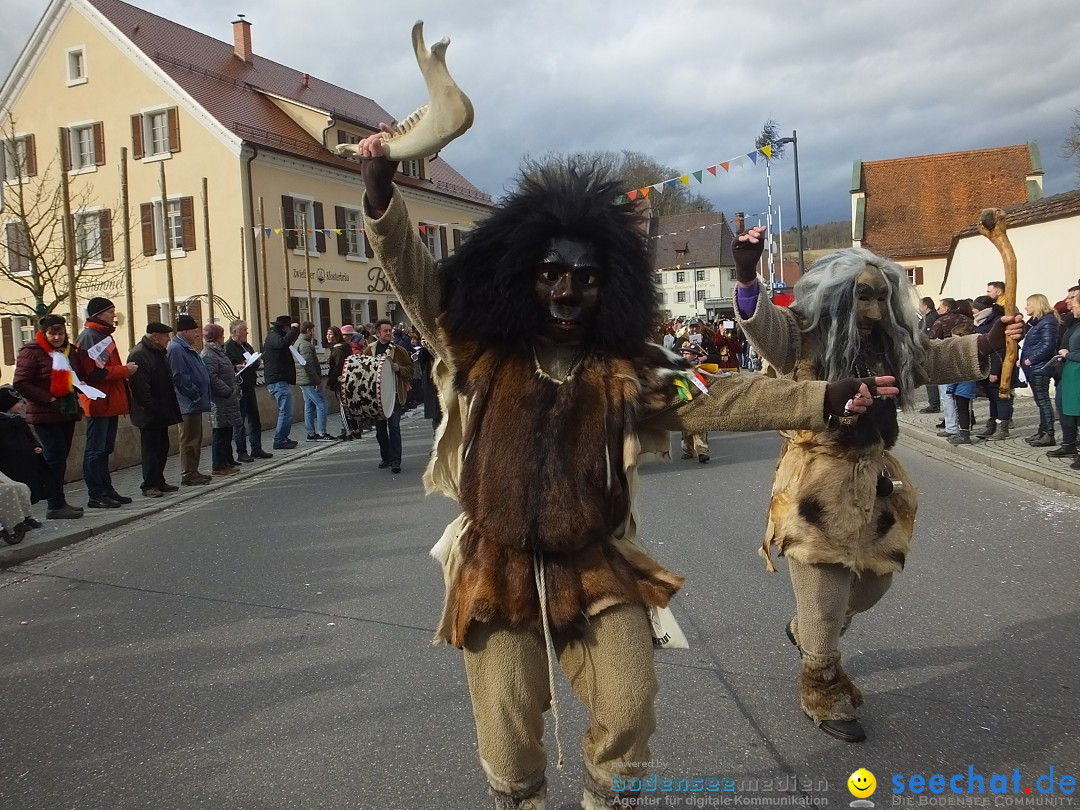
[1013, 455]
[56, 534]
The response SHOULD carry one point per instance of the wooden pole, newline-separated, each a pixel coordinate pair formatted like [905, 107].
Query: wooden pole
[166, 242]
[126, 228]
[243, 275]
[69, 236]
[265, 281]
[206, 242]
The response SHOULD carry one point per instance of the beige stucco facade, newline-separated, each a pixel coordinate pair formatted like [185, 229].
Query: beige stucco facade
[248, 266]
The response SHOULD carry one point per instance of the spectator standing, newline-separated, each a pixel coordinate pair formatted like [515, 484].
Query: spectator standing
[425, 359]
[995, 290]
[1040, 346]
[43, 376]
[279, 375]
[339, 353]
[929, 315]
[694, 443]
[192, 384]
[1068, 388]
[1001, 410]
[21, 457]
[950, 318]
[309, 378]
[388, 431]
[224, 400]
[238, 349]
[154, 408]
[109, 375]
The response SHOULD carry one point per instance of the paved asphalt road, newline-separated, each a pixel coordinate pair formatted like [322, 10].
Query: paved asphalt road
[268, 647]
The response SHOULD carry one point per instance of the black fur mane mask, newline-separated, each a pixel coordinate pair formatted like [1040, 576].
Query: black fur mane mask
[488, 284]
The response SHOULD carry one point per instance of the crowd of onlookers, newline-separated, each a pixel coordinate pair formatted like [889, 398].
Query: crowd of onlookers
[1049, 358]
[175, 377]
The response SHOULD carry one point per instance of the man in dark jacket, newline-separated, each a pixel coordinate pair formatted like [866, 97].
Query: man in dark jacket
[929, 315]
[238, 350]
[153, 406]
[279, 374]
[191, 381]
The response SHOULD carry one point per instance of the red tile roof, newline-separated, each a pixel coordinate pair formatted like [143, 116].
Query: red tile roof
[232, 91]
[704, 235]
[915, 205]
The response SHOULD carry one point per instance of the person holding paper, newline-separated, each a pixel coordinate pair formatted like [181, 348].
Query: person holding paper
[44, 376]
[240, 352]
[110, 375]
[279, 374]
[192, 383]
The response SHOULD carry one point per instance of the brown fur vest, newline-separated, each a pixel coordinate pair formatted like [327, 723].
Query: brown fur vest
[544, 478]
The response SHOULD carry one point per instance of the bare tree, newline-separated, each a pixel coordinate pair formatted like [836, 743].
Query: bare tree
[32, 250]
[634, 170]
[1070, 150]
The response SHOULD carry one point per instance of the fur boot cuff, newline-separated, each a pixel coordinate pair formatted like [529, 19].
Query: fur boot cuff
[826, 691]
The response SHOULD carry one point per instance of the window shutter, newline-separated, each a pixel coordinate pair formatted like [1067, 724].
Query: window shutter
[457, 239]
[368, 251]
[65, 149]
[136, 137]
[373, 311]
[174, 130]
[324, 317]
[18, 246]
[442, 241]
[294, 309]
[146, 217]
[342, 136]
[106, 236]
[99, 144]
[9, 341]
[343, 237]
[187, 221]
[346, 311]
[153, 313]
[31, 157]
[320, 226]
[288, 221]
[918, 275]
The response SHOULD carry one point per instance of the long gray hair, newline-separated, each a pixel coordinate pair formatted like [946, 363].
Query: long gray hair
[825, 302]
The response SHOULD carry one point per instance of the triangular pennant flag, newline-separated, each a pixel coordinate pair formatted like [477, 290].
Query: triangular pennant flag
[277, 230]
[268, 231]
[726, 165]
[423, 229]
[752, 156]
[767, 150]
[645, 192]
[658, 188]
[685, 180]
[697, 176]
[671, 182]
[712, 170]
[632, 194]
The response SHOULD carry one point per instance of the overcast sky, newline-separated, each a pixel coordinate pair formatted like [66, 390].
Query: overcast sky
[690, 82]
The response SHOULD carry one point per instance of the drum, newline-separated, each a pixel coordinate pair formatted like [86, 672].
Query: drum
[368, 387]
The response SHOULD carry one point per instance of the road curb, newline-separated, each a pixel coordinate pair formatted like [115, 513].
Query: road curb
[31, 548]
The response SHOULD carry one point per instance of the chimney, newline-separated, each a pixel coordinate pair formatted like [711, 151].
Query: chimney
[304, 80]
[740, 223]
[241, 30]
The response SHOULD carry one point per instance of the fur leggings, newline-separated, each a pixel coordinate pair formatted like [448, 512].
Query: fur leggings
[827, 596]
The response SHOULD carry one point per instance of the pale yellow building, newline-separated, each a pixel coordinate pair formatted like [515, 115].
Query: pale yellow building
[283, 209]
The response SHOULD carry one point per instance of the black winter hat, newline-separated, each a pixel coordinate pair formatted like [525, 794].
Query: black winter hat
[97, 306]
[155, 327]
[283, 320]
[8, 397]
[185, 322]
[51, 320]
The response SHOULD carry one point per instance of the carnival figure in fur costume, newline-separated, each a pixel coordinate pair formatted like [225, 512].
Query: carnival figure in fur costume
[843, 508]
[551, 391]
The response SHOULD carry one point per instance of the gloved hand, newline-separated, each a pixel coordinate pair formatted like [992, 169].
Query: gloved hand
[1007, 326]
[747, 248]
[856, 395]
[378, 172]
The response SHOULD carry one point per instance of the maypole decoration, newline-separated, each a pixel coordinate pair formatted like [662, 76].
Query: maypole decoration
[992, 225]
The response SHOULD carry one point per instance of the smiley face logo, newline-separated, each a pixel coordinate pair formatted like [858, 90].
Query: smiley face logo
[861, 783]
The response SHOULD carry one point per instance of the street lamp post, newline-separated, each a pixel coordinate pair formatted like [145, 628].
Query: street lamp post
[794, 141]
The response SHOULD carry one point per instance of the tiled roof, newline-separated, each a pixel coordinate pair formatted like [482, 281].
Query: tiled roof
[229, 89]
[915, 205]
[704, 235]
[1049, 208]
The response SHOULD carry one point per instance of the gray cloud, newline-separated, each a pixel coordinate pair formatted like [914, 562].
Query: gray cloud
[690, 83]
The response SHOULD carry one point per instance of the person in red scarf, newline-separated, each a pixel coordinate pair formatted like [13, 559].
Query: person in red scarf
[109, 374]
[44, 377]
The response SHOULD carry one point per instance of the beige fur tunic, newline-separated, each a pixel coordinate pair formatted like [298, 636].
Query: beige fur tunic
[825, 508]
[470, 550]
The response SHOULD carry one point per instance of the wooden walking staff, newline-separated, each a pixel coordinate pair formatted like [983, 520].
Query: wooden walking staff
[992, 225]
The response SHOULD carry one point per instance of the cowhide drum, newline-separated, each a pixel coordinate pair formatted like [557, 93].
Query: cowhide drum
[367, 386]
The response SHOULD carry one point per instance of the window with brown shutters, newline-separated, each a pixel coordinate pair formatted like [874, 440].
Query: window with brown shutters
[342, 233]
[187, 220]
[146, 218]
[31, 156]
[9, 341]
[320, 227]
[288, 222]
[137, 137]
[18, 158]
[457, 239]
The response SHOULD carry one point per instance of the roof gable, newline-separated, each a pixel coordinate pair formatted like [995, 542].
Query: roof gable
[914, 206]
[701, 237]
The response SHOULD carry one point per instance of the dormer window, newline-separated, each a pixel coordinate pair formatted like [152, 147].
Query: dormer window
[413, 168]
[76, 66]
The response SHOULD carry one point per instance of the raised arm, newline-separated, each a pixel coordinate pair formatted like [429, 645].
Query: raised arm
[406, 260]
[774, 331]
